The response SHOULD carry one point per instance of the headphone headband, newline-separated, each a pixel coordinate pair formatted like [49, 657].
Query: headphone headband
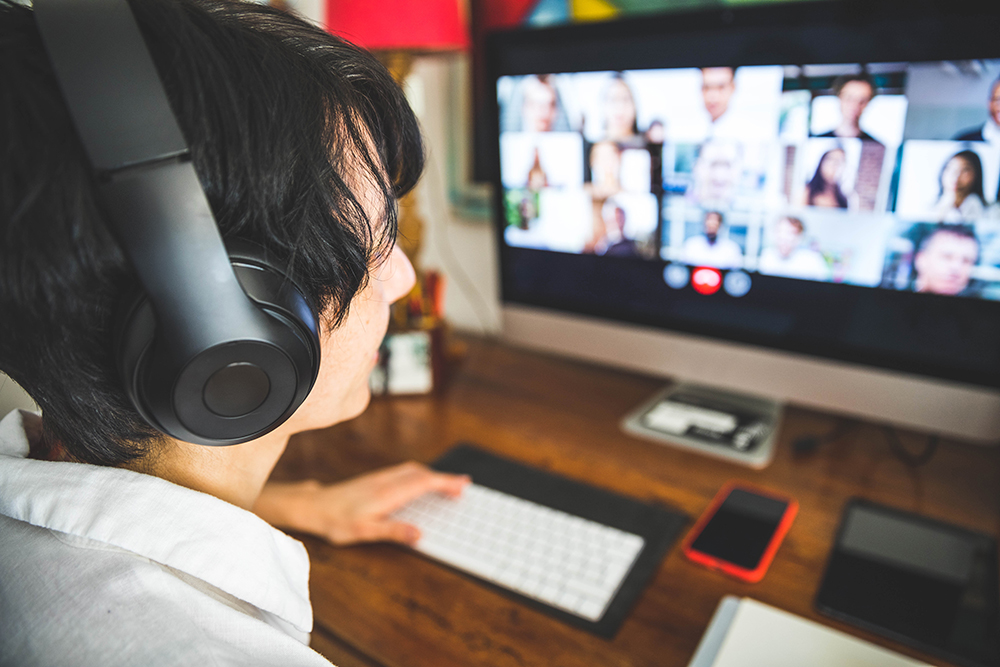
[112, 88]
[216, 367]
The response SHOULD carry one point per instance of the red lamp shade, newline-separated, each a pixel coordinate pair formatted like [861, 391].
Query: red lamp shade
[400, 25]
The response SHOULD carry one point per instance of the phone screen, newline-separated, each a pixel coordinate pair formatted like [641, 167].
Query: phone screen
[741, 528]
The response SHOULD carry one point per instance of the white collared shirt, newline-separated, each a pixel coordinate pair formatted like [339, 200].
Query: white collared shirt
[722, 254]
[803, 263]
[104, 566]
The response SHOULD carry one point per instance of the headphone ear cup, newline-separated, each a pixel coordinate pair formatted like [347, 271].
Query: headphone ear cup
[135, 328]
[278, 298]
[274, 292]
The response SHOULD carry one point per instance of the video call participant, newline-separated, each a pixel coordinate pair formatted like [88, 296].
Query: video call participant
[540, 107]
[823, 189]
[118, 544]
[854, 92]
[716, 174]
[616, 244]
[945, 259]
[990, 130]
[605, 170]
[960, 194]
[787, 258]
[620, 121]
[710, 248]
[717, 87]
[656, 133]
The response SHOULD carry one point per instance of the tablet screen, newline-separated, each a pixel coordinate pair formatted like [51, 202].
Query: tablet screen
[920, 581]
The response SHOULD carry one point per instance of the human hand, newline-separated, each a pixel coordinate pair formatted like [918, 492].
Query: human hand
[356, 510]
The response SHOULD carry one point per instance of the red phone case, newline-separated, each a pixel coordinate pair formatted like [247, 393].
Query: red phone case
[731, 569]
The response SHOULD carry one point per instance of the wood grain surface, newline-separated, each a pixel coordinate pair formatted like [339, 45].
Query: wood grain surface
[384, 606]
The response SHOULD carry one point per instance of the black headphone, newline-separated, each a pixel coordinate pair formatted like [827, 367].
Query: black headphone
[221, 347]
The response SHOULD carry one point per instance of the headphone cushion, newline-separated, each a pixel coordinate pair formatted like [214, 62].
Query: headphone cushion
[297, 335]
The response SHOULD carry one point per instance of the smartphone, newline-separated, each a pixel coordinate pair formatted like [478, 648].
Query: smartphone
[741, 530]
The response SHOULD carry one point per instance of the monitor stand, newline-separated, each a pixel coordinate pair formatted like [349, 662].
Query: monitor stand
[735, 427]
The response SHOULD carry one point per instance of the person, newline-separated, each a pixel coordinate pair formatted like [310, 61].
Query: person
[656, 133]
[540, 108]
[944, 260]
[788, 258]
[615, 243]
[854, 92]
[120, 545]
[960, 193]
[717, 87]
[537, 179]
[716, 174]
[990, 130]
[710, 248]
[823, 189]
[605, 170]
[620, 122]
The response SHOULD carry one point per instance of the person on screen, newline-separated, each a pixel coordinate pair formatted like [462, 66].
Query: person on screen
[605, 170]
[960, 197]
[823, 189]
[711, 248]
[540, 107]
[990, 130]
[788, 258]
[616, 244]
[945, 259]
[717, 87]
[716, 174]
[656, 133]
[854, 92]
[620, 124]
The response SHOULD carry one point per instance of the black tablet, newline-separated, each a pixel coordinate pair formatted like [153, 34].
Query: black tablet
[917, 580]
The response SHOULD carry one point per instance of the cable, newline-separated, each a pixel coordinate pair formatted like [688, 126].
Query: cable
[806, 444]
[907, 457]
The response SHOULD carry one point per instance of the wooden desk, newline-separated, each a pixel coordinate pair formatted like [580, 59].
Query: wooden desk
[384, 606]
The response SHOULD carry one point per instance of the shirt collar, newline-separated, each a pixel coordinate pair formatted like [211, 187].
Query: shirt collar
[219, 543]
[991, 131]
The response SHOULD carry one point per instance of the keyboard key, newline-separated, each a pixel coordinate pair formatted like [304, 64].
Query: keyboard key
[563, 560]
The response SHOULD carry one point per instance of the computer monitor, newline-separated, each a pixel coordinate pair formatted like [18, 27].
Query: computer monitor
[796, 200]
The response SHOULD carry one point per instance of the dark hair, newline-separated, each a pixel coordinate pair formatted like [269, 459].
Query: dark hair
[286, 125]
[971, 158]
[844, 79]
[818, 183]
[962, 231]
[722, 218]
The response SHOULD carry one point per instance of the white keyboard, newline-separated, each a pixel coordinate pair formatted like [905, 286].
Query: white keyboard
[562, 560]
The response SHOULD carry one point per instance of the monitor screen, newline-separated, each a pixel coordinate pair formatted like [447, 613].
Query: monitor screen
[832, 193]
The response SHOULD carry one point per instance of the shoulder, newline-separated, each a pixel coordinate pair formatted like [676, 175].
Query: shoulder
[971, 134]
[972, 206]
[70, 600]
[731, 246]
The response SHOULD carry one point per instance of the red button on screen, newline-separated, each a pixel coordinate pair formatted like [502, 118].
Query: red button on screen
[706, 281]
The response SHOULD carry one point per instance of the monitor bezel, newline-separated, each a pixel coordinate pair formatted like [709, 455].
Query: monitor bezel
[784, 33]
